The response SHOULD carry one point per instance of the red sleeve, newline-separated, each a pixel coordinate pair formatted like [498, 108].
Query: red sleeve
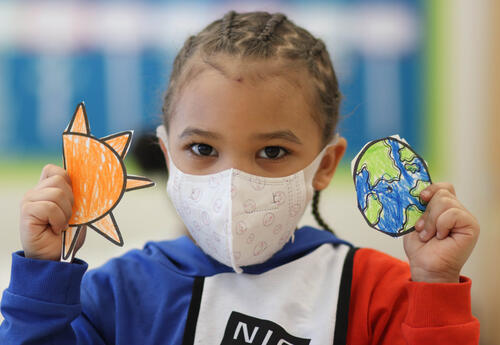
[386, 307]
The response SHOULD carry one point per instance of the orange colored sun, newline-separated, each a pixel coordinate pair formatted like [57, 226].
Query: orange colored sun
[98, 178]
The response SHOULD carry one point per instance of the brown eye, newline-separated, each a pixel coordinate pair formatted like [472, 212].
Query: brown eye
[203, 150]
[272, 152]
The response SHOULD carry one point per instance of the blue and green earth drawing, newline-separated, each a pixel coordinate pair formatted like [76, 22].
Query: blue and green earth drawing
[389, 176]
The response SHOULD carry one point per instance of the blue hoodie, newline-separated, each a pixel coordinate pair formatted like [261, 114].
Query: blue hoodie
[142, 297]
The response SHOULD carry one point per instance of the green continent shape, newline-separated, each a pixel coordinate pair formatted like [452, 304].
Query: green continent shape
[373, 208]
[411, 167]
[406, 155]
[412, 214]
[419, 187]
[377, 161]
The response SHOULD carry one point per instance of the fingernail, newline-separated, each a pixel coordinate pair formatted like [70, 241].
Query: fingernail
[423, 234]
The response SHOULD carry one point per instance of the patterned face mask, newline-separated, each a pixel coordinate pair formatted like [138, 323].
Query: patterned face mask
[237, 218]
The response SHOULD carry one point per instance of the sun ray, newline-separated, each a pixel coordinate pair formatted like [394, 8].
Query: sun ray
[107, 227]
[70, 236]
[120, 142]
[79, 123]
[98, 180]
[137, 182]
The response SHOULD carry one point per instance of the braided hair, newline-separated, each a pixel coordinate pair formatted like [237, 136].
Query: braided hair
[261, 36]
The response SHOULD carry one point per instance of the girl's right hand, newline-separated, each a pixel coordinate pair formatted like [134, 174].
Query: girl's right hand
[45, 212]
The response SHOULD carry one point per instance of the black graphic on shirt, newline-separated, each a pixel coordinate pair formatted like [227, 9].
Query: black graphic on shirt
[242, 329]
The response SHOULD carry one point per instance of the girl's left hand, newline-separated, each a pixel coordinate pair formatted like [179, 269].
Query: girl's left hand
[444, 238]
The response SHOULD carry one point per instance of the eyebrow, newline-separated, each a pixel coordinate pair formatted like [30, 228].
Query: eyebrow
[285, 135]
[190, 131]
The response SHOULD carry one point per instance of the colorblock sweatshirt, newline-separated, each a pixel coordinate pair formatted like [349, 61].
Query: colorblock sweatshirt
[317, 289]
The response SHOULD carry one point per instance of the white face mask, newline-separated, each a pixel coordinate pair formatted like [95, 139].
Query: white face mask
[237, 218]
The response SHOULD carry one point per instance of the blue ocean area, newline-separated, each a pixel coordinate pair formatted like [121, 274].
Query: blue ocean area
[394, 195]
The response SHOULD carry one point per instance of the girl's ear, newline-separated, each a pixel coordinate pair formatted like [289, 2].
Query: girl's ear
[329, 164]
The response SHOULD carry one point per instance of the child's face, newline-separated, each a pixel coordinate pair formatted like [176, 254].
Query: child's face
[263, 127]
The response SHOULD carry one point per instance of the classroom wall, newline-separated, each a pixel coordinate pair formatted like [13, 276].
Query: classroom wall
[463, 118]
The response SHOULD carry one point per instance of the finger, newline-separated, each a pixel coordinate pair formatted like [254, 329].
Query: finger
[419, 225]
[440, 202]
[47, 212]
[428, 192]
[56, 181]
[448, 220]
[52, 170]
[457, 220]
[60, 197]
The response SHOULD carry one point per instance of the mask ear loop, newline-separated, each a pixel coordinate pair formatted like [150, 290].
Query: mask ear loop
[334, 140]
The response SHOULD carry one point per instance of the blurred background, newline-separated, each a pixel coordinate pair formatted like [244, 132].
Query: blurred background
[427, 70]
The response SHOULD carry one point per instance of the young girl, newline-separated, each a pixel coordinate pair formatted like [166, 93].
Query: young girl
[249, 136]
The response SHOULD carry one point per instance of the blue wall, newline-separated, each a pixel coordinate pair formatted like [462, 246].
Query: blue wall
[39, 89]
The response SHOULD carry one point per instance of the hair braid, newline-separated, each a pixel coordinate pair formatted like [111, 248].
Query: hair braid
[189, 47]
[275, 20]
[316, 50]
[315, 212]
[227, 25]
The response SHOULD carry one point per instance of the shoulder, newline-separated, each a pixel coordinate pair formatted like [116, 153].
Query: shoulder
[372, 267]
[136, 266]
[374, 260]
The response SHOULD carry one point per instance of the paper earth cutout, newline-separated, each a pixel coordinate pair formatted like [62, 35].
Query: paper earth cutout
[389, 176]
[99, 180]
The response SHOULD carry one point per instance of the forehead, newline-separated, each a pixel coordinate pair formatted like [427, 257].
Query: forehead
[245, 97]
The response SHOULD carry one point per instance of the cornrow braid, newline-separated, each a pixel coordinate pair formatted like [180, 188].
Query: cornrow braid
[260, 36]
[272, 23]
[227, 25]
[265, 39]
[316, 49]
[315, 212]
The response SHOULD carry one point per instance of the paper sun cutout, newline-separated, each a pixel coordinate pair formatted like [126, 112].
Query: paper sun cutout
[99, 180]
[389, 176]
